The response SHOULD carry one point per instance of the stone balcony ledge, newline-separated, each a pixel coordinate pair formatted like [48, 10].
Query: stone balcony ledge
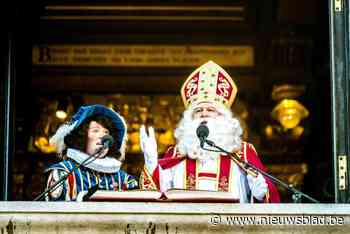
[166, 217]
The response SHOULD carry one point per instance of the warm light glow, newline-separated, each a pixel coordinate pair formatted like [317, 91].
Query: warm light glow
[297, 132]
[289, 118]
[269, 131]
[61, 114]
[289, 113]
[43, 144]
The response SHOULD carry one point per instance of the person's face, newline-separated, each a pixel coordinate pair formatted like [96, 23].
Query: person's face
[205, 110]
[95, 133]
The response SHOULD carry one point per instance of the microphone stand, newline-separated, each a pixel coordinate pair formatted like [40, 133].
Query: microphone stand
[76, 166]
[253, 170]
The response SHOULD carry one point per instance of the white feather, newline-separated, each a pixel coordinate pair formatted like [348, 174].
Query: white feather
[58, 139]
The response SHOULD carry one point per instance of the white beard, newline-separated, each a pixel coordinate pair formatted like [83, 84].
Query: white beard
[224, 130]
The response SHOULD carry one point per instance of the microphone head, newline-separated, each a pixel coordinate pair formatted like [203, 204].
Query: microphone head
[107, 141]
[202, 130]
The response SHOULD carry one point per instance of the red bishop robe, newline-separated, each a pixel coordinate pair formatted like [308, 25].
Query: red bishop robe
[222, 174]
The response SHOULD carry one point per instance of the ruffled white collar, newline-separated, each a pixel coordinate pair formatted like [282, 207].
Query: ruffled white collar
[106, 165]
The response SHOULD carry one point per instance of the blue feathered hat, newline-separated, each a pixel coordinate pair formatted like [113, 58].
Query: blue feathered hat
[85, 112]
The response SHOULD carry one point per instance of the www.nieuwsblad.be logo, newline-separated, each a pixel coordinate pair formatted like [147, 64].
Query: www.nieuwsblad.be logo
[276, 220]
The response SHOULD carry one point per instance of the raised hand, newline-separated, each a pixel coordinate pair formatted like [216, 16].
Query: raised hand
[148, 146]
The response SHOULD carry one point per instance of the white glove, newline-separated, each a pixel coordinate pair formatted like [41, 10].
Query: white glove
[148, 146]
[258, 186]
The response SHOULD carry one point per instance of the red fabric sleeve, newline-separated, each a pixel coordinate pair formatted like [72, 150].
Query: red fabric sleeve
[253, 158]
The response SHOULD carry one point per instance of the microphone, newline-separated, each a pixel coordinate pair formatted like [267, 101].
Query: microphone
[107, 141]
[202, 133]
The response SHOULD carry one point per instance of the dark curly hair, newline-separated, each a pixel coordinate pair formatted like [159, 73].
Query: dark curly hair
[77, 138]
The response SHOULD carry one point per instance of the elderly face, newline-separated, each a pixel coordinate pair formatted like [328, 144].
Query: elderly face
[205, 110]
[94, 135]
